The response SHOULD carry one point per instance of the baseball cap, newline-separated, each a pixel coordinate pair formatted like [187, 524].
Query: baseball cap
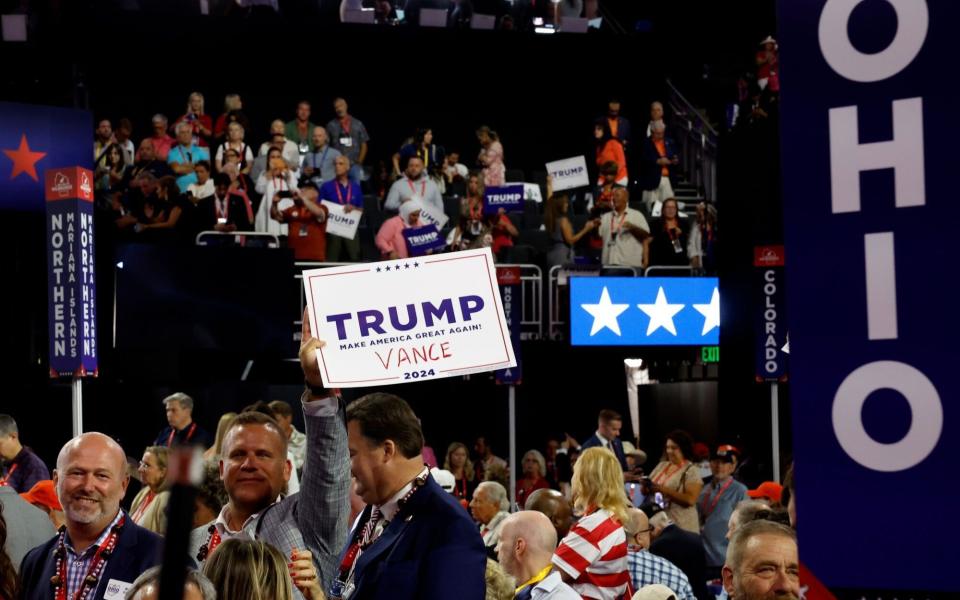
[444, 479]
[768, 489]
[43, 494]
[726, 453]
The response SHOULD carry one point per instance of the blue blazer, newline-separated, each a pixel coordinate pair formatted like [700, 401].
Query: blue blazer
[594, 441]
[137, 550]
[650, 171]
[431, 550]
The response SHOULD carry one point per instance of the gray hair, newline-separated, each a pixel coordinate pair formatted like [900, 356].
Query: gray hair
[738, 545]
[746, 510]
[497, 493]
[658, 126]
[159, 117]
[152, 575]
[184, 400]
[7, 425]
[183, 125]
[542, 462]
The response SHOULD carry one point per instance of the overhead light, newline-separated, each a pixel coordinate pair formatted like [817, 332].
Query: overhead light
[120, 265]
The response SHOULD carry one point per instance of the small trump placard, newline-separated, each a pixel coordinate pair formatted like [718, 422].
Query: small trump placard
[404, 320]
[340, 222]
[568, 173]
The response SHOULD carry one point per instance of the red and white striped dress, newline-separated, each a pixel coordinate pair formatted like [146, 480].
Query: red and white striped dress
[594, 553]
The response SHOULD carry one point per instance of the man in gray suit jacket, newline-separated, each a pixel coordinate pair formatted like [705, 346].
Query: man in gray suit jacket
[254, 469]
[27, 525]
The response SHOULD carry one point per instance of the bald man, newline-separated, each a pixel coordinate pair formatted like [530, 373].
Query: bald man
[648, 569]
[555, 506]
[527, 543]
[101, 551]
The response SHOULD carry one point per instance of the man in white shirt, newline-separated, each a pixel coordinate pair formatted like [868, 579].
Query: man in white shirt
[291, 153]
[414, 185]
[527, 543]
[625, 233]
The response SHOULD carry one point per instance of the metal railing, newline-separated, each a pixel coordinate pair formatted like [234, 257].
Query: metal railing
[698, 142]
[240, 238]
[531, 296]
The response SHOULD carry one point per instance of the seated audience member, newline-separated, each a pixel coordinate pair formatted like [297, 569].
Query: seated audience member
[147, 162]
[182, 430]
[147, 586]
[296, 440]
[534, 478]
[288, 149]
[340, 189]
[318, 166]
[245, 569]
[771, 491]
[500, 586]
[716, 504]
[22, 469]
[678, 480]
[211, 496]
[598, 494]
[668, 244]
[158, 213]
[610, 149]
[26, 526]
[185, 155]
[162, 142]
[527, 543]
[203, 187]
[306, 220]
[111, 170]
[702, 241]
[149, 507]
[609, 423]
[43, 495]
[414, 185]
[278, 182]
[201, 124]
[458, 462]
[658, 160]
[555, 507]
[234, 141]
[762, 562]
[649, 569]
[300, 130]
[490, 506]
[9, 584]
[682, 548]
[625, 233]
[390, 238]
[91, 527]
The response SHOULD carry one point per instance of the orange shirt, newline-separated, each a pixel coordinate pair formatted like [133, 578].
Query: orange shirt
[613, 126]
[306, 237]
[613, 151]
[662, 151]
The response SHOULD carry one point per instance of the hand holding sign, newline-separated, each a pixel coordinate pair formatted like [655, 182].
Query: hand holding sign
[308, 352]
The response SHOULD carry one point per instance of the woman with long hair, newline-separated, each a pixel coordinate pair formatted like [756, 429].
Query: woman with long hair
[491, 157]
[558, 225]
[668, 243]
[242, 569]
[598, 494]
[534, 467]
[458, 462]
[149, 507]
[213, 453]
[678, 480]
[198, 119]
[111, 169]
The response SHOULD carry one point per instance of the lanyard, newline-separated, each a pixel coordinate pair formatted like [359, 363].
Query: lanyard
[336, 186]
[138, 514]
[222, 210]
[423, 187]
[323, 159]
[706, 511]
[619, 226]
[192, 429]
[89, 581]
[345, 124]
[665, 475]
[535, 579]
[13, 467]
[185, 154]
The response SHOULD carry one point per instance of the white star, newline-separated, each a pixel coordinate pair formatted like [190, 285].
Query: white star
[711, 312]
[660, 313]
[605, 313]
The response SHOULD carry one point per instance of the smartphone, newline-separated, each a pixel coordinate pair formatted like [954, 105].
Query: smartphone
[284, 194]
[221, 221]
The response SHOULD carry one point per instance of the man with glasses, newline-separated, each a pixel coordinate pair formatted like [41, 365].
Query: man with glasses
[646, 568]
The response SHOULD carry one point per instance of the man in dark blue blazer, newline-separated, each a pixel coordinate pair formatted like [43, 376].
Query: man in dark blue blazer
[99, 539]
[658, 153]
[607, 436]
[413, 541]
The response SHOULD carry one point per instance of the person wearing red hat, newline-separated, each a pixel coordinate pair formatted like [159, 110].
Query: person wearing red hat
[44, 496]
[768, 490]
[716, 503]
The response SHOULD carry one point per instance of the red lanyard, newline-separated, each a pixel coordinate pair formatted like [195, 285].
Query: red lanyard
[423, 188]
[345, 125]
[222, 211]
[704, 510]
[212, 542]
[89, 582]
[336, 185]
[278, 183]
[174, 432]
[665, 475]
[13, 467]
[613, 219]
[138, 514]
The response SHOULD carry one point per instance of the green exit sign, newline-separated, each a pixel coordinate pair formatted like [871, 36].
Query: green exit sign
[710, 354]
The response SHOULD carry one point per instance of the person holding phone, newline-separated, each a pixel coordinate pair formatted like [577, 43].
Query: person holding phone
[224, 211]
[307, 222]
[276, 179]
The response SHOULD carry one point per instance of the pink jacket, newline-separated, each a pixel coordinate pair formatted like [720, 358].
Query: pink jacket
[390, 237]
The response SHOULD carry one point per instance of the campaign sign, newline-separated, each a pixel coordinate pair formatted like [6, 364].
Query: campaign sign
[405, 320]
[868, 137]
[429, 214]
[33, 139]
[569, 173]
[341, 223]
[421, 240]
[509, 198]
[771, 314]
[72, 310]
[511, 294]
[644, 311]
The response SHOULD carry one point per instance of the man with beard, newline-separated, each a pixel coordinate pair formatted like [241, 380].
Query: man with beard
[762, 563]
[100, 547]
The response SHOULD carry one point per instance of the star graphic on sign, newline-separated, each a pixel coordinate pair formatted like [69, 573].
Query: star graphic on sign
[24, 160]
[415, 265]
[661, 314]
[605, 313]
[379, 269]
[387, 268]
[406, 265]
[710, 312]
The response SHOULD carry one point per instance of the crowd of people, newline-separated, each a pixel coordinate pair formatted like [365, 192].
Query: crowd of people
[204, 175]
[359, 507]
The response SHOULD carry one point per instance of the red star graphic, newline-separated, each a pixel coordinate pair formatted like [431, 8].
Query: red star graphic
[24, 161]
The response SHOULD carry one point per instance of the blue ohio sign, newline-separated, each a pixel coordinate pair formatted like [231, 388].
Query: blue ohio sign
[869, 131]
[644, 311]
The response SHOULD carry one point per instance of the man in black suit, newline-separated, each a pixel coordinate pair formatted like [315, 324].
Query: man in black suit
[413, 540]
[681, 547]
[101, 551]
[224, 211]
[607, 436]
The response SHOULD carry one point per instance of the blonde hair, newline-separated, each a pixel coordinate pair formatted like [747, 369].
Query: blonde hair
[202, 102]
[249, 570]
[467, 465]
[222, 426]
[598, 483]
[541, 461]
[500, 586]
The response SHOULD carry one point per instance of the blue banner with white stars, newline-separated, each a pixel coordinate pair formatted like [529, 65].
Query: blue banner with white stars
[644, 311]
